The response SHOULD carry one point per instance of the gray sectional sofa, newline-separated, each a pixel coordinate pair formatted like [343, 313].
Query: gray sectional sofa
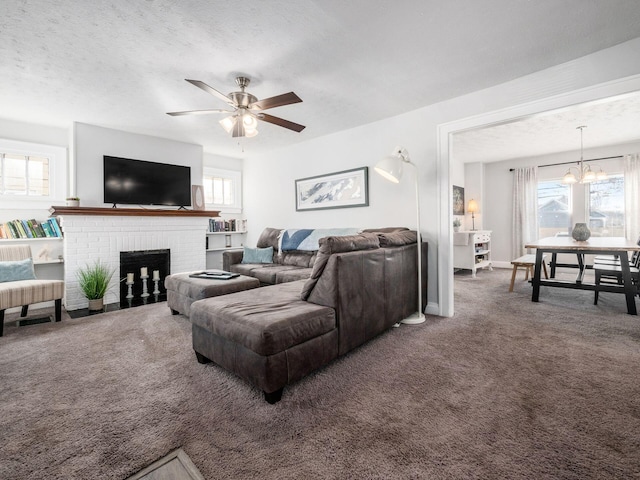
[284, 267]
[356, 287]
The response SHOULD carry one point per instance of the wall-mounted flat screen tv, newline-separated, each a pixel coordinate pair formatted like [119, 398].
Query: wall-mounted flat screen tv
[138, 182]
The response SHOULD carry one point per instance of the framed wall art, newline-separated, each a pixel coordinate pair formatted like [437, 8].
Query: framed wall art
[334, 190]
[458, 200]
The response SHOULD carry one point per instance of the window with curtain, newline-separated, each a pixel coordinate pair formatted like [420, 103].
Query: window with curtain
[605, 205]
[554, 208]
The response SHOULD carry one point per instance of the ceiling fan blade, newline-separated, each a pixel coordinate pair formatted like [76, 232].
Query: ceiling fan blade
[277, 101]
[210, 90]
[281, 122]
[198, 112]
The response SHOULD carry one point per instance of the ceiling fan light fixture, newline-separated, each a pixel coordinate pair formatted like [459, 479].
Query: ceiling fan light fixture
[250, 132]
[249, 121]
[228, 123]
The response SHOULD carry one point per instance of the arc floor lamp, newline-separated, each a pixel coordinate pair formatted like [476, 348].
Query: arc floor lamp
[390, 167]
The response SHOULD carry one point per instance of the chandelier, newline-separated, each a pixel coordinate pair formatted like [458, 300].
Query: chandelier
[584, 172]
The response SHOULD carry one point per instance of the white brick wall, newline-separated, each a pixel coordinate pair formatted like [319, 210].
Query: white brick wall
[91, 238]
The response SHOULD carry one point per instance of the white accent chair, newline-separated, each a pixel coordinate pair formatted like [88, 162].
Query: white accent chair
[22, 293]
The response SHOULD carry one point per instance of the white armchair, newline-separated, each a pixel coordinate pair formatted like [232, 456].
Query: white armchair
[25, 289]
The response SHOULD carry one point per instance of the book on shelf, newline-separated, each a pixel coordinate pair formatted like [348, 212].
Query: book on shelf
[19, 229]
[53, 221]
[47, 229]
[217, 225]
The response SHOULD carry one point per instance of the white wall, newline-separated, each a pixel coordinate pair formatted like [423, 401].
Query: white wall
[40, 134]
[499, 189]
[29, 132]
[91, 142]
[474, 180]
[269, 178]
[217, 161]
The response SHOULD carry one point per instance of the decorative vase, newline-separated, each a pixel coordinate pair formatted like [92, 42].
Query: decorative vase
[96, 304]
[73, 203]
[581, 232]
[456, 229]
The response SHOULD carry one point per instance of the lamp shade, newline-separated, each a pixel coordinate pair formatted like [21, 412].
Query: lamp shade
[569, 177]
[473, 206]
[390, 167]
[228, 123]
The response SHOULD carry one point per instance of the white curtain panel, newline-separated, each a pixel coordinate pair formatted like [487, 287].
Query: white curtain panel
[525, 209]
[632, 196]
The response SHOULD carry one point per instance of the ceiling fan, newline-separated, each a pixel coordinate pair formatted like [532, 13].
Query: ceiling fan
[247, 109]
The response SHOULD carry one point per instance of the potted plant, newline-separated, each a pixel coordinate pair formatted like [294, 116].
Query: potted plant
[94, 283]
[73, 202]
[456, 224]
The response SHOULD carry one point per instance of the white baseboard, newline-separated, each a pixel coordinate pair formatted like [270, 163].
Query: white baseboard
[433, 308]
[501, 264]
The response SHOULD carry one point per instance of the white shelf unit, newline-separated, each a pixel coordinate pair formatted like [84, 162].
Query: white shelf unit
[472, 250]
[47, 255]
[218, 242]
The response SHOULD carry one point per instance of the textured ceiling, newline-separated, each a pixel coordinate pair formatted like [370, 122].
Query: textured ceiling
[609, 122]
[122, 63]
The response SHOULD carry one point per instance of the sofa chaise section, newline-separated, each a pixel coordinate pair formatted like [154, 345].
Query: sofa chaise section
[360, 286]
[267, 336]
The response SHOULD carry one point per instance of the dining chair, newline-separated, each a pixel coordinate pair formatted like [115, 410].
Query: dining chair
[611, 274]
[615, 259]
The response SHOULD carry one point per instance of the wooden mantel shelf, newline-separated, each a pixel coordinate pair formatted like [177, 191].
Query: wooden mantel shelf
[130, 212]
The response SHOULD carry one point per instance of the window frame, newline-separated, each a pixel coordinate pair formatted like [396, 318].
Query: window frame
[570, 205]
[587, 202]
[236, 182]
[57, 174]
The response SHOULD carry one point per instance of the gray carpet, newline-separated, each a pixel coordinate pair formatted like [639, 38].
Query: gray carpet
[507, 389]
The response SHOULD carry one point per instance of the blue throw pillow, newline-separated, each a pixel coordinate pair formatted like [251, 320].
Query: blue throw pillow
[11, 271]
[257, 255]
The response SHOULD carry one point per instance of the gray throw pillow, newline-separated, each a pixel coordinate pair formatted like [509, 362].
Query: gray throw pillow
[12, 271]
[257, 255]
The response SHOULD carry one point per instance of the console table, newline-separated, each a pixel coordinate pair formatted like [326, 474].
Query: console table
[472, 250]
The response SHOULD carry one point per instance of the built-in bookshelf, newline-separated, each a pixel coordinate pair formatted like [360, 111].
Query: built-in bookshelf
[26, 229]
[43, 237]
[219, 242]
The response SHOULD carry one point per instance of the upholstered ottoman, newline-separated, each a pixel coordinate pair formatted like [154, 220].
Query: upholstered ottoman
[183, 290]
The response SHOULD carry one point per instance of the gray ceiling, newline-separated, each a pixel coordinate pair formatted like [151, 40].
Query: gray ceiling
[122, 63]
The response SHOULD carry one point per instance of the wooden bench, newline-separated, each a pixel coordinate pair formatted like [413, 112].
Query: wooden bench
[528, 262]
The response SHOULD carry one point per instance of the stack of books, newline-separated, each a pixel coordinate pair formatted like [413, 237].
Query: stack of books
[30, 229]
[231, 225]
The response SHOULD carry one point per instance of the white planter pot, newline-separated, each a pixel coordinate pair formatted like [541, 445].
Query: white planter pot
[97, 304]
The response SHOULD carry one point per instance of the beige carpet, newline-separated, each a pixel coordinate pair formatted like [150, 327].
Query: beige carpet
[506, 389]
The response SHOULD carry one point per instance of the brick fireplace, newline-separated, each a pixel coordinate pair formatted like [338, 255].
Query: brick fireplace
[101, 234]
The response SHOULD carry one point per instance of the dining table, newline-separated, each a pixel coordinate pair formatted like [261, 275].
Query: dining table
[616, 246]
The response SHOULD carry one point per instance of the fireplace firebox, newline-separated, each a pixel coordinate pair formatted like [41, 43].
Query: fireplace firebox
[136, 290]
